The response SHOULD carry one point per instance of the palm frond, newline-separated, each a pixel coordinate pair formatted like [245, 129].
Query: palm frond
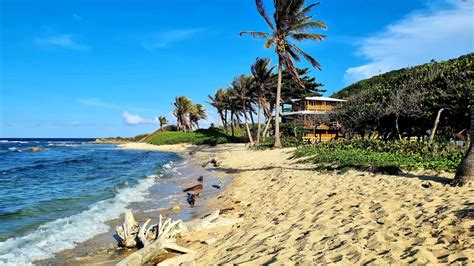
[308, 36]
[308, 58]
[261, 10]
[308, 26]
[290, 67]
[270, 42]
[255, 34]
[309, 7]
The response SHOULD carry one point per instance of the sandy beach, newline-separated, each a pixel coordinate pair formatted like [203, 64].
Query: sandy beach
[293, 214]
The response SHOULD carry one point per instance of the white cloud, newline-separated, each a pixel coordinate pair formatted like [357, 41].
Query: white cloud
[434, 33]
[131, 119]
[64, 41]
[163, 39]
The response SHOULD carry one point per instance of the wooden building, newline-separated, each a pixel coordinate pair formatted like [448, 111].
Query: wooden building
[311, 113]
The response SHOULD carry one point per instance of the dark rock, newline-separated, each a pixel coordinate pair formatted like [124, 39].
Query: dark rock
[191, 198]
[201, 178]
[193, 188]
[216, 186]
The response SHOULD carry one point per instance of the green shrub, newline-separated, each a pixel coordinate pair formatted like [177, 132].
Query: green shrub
[211, 136]
[380, 156]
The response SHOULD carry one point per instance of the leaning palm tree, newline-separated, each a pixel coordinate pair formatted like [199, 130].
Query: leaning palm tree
[163, 121]
[242, 98]
[263, 75]
[291, 21]
[220, 102]
[465, 172]
[196, 113]
[182, 105]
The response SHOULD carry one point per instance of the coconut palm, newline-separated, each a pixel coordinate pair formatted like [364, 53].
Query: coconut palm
[196, 113]
[465, 172]
[182, 105]
[291, 22]
[263, 75]
[163, 121]
[242, 99]
[220, 102]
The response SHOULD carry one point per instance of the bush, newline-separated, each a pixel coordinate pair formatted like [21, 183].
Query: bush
[380, 156]
[211, 136]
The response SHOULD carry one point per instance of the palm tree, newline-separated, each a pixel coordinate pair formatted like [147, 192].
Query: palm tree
[196, 113]
[242, 98]
[263, 76]
[182, 105]
[163, 121]
[465, 172]
[220, 102]
[290, 22]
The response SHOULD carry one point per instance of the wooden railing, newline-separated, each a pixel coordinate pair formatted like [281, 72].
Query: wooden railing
[319, 107]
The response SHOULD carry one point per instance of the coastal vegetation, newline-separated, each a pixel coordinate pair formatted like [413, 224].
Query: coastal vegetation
[382, 156]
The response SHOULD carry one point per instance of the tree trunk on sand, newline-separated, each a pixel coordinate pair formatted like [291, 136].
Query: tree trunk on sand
[232, 125]
[226, 126]
[267, 125]
[277, 111]
[398, 128]
[435, 126]
[465, 171]
[249, 134]
[259, 119]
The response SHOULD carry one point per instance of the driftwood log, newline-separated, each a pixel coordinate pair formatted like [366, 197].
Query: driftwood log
[160, 238]
[128, 232]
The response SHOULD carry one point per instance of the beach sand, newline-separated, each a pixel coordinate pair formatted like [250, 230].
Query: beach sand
[293, 214]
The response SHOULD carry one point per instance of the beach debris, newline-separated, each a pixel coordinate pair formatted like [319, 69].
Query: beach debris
[214, 162]
[201, 178]
[160, 239]
[426, 184]
[210, 241]
[216, 186]
[157, 240]
[332, 194]
[191, 198]
[193, 188]
[176, 208]
[128, 232]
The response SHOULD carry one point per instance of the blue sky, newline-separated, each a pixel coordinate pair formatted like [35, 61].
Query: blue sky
[107, 68]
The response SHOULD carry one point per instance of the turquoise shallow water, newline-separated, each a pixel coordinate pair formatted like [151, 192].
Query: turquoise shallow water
[48, 198]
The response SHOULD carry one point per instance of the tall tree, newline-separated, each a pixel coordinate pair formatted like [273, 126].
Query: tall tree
[197, 112]
[242, 99]
[465, 172]
[263, 75]
[291, 22]
[221, 103]
[163, 121]
[182, 106]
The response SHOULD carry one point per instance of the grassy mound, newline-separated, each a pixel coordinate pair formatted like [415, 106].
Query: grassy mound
[210, 136]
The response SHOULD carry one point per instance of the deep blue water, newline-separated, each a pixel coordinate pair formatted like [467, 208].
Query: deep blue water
[56, 190]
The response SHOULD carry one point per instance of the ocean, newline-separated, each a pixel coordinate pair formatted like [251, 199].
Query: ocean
[63, 193]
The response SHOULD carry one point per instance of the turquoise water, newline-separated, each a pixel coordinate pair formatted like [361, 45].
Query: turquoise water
[53, 199]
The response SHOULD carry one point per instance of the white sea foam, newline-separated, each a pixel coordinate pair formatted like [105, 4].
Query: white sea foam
[65, 233]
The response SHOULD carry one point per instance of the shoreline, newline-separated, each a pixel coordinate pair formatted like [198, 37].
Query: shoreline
[102, 248]
[294, 214]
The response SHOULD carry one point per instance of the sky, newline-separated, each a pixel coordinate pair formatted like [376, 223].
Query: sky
[84, 68]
